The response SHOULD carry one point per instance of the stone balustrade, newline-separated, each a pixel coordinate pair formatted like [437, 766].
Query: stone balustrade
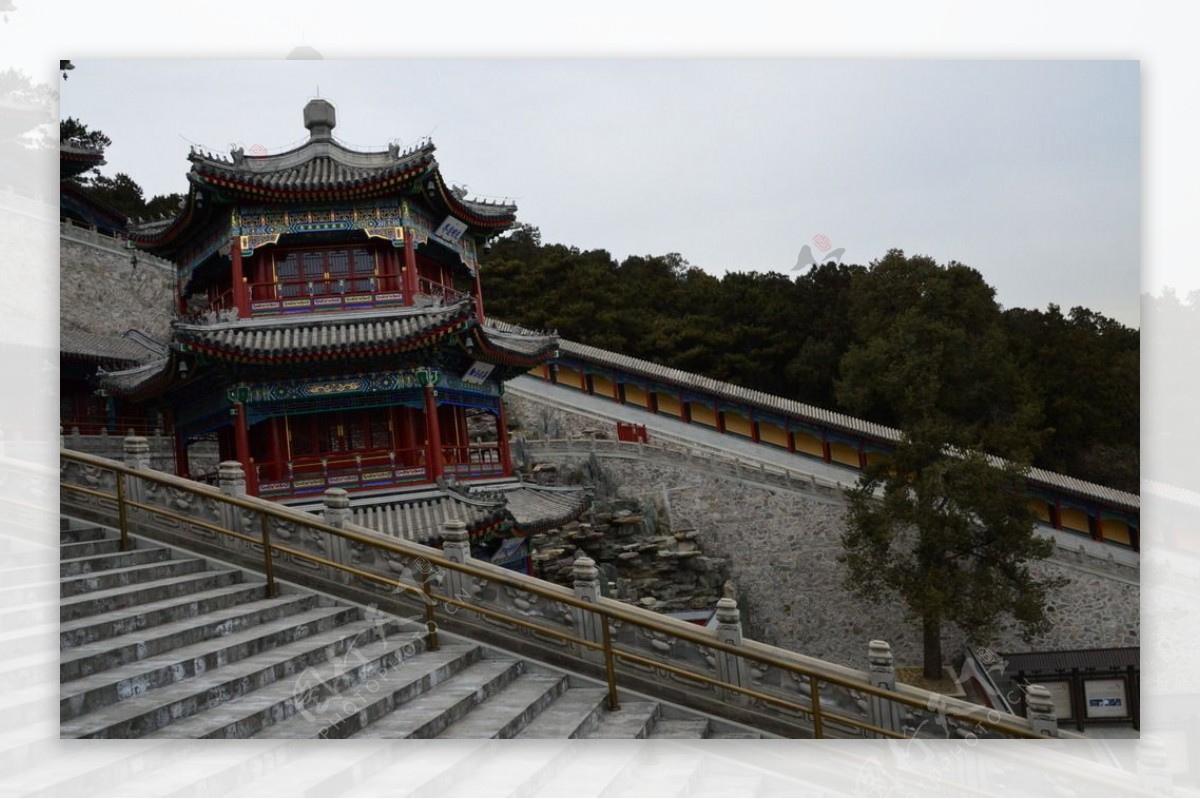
[656, 654]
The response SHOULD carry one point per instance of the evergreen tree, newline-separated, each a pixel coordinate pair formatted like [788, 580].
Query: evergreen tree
[951, 534]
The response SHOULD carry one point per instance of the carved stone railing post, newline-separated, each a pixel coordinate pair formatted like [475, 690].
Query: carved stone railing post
[587, 589]
[456, 548]
[137, 456]
[337, 507]
[231, 480]
[1039, 708]
[137, 452]
[730, 668]
[882, 674]
[337, 513]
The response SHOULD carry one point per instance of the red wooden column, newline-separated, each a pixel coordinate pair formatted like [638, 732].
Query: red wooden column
[826, 453]
[478, 295]
[240, 300]
[502, 439]
[410, 267]
[181, 460]
[278, 450]
[791, 440]
[433, 430]
[241, 448]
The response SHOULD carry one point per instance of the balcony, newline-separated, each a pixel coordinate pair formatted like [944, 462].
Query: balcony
[326, 294]
[370, 470]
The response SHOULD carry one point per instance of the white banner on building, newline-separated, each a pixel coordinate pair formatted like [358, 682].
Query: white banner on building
[451, 229]
[478, 373]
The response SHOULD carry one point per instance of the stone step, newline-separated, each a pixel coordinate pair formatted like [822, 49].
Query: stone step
[119, 560]
[296, 708]
[99, 602]
[731, 736]
[632, 720]
[98, 690]
[427, 715]
[571, 715]
[78, 535]
[108, 653]
[141, 715]
[132, 575]
[99, 546]
[125, 620]
[680, 728]
[506, 713]
[390, 694]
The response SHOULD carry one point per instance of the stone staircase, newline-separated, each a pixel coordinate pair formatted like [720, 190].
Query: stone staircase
[156, 643]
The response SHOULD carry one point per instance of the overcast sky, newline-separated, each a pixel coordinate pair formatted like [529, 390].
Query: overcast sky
[1026, 170]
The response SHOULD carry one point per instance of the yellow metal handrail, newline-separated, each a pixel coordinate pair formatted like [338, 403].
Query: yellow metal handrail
[608, 611]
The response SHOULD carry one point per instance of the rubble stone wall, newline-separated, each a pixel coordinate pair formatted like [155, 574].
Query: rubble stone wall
[781, 552]
[101, 292]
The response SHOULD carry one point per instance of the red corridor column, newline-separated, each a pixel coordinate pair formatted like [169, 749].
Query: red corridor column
[434, 432]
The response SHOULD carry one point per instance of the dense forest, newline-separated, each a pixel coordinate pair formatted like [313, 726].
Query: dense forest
[791, 335]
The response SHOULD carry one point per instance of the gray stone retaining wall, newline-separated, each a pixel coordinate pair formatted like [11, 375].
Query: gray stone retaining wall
[101, 292]
[782, 550]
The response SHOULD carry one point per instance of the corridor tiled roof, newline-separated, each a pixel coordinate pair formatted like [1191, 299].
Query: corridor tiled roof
[819, 416]
[1063, 661]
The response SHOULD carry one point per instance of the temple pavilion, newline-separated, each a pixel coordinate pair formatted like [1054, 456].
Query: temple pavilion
[330, 333]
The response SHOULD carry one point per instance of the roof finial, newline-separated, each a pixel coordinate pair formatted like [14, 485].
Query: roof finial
[320, 119]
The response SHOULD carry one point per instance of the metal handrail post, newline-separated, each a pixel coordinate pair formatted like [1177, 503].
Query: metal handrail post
[272, 589]
[430, 621]
[818, 722]
[610, 666]
[122, 520]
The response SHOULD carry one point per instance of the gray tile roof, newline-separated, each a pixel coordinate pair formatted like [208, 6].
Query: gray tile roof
[139, 378]
[314, 336]
[102, 348]
[421, 519]
[314, 163]
[537, 508]
[1117, 659]
[531, 508]
[524, 344]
